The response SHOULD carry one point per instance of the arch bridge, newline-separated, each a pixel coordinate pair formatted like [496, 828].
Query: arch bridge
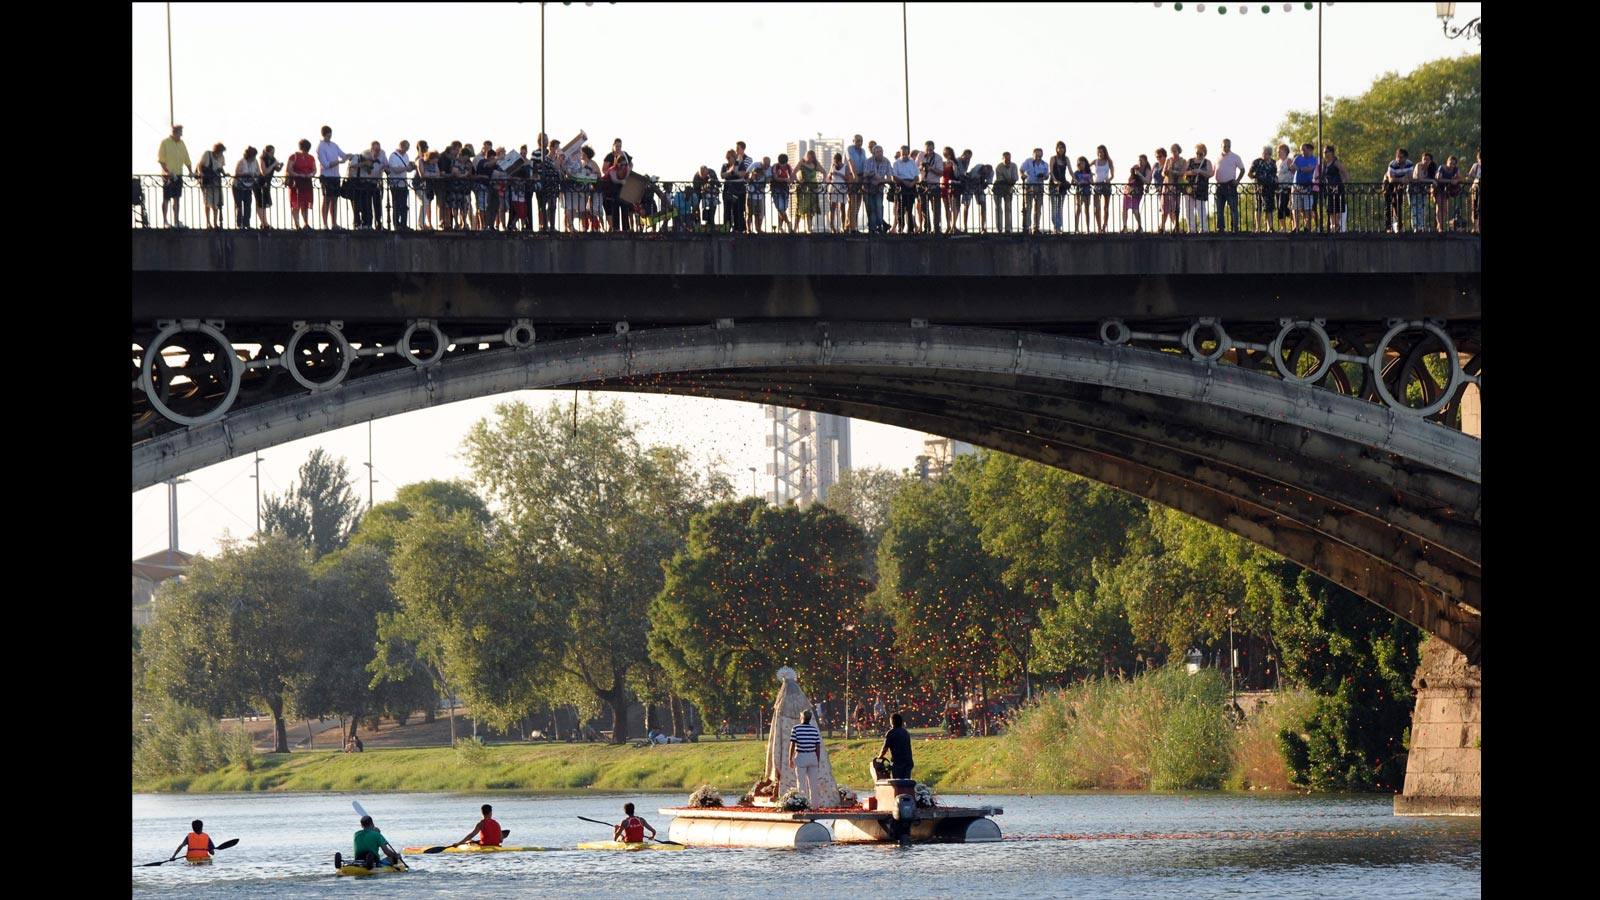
[1305, 392]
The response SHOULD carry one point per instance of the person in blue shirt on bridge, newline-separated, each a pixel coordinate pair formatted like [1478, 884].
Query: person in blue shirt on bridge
[1035, 172]
[875, 173]
[1305, 167]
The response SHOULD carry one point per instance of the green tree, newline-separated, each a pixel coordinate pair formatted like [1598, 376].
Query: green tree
[755, 588]
[1438, 106]
[1054, 530]
[1359, 659]
[319, 510]
[464, 617]
[236, 629]
[956, 621]
[442, 499]
[589, 517]
[862, 496]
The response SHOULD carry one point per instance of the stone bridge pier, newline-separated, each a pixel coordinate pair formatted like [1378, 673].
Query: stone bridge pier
[1444, 771]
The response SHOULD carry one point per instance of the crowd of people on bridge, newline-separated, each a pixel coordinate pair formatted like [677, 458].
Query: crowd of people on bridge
[916, 191]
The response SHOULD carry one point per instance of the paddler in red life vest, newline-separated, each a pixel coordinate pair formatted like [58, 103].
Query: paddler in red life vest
[198, 844]
[487, 831]
[632, 828]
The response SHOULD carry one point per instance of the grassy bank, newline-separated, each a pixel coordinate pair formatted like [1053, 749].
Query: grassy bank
[953, 766]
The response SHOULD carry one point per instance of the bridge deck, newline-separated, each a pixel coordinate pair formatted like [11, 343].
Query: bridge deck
[988, 279]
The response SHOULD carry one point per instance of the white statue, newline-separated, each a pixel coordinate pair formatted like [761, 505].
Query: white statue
[780, 775]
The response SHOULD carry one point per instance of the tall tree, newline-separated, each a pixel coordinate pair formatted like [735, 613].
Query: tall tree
[440, 499]
[862, 496]
[955, 619]
[1359, 659]
[1438, 106]
[755, 588]
[589, 516]
[236, 629]
[319, 510]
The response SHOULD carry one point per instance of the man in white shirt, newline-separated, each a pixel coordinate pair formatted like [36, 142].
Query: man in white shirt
[855, 160]
[399, 165]
[1230, 169]
[329, 156]
[875, 173]
[1035, 172]
[904, 170]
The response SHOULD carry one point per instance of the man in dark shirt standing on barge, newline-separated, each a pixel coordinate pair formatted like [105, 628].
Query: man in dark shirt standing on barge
[897, 743]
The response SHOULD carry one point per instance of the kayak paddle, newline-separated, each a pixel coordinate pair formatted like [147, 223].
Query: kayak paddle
[609, 825]
[504, 832]
[161, 862]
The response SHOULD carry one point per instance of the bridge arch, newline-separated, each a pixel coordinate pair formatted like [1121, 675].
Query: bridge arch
[1381, 502]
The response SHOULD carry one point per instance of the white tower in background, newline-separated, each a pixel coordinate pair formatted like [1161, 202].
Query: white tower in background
[809, 451]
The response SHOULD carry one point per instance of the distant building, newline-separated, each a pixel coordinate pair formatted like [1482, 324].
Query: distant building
[809, 451]
[149, 572]
[825, 148]
[937, 455]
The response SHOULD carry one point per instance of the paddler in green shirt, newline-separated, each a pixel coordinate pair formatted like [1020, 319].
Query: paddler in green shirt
[368, 841]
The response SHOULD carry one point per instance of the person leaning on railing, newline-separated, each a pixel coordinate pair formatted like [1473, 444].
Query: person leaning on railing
[212, 167]
[875, 173]
[270, 166]
[1035, 172]
[246, 172]
[173, 157]
[1475, 175]
[904, 171]
[1264, 172]
[1005, 186]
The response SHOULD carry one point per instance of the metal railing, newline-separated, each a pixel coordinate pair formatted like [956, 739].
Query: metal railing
[969, 206]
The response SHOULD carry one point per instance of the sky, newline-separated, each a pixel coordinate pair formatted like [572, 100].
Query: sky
[680, 83]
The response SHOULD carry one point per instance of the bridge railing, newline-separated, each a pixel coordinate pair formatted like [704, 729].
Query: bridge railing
[694, 206]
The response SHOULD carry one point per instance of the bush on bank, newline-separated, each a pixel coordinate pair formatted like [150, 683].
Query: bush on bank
[1164, 730]
[181, 740]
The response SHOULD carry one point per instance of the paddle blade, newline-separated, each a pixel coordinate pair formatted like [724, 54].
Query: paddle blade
[159, 862]
[226, 844]
[359, 810]
[669, 843]
[434, 850]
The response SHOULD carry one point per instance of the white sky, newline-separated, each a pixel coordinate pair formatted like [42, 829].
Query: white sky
[679, 83]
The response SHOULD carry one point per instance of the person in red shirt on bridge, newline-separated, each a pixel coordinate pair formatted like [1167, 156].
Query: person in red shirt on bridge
[488, 832]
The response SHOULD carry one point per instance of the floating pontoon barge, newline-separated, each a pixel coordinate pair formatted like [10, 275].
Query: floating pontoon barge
[897, 819]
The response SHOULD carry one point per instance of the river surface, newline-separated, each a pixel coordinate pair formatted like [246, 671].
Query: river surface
[1079, 845]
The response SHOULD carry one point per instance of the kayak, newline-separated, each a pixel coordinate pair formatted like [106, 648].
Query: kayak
[628, 845]
[204, 861]
[363, 871]
[478, 848]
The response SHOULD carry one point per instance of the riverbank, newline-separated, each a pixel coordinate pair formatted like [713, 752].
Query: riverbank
[953, 766]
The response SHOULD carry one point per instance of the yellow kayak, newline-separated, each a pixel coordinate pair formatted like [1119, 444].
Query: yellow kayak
[204, 861]
[479, 848]
[361, 871]
[628, 845]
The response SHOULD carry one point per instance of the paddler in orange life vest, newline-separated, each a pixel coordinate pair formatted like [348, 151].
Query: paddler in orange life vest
[632, 828]
[487, 831]
[198, 844]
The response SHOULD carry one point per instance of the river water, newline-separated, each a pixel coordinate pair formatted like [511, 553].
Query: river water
[1080, 845]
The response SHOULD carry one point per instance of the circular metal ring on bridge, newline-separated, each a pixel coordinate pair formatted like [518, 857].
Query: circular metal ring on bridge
[224, 348]
[404, 347]
[1447, 346]
[515, 334]
[291, 357]
[622, 328]
[1223, 346]
[1113, 331]
[1325, 353]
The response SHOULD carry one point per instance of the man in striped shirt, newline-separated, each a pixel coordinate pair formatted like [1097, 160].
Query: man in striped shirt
[804, 742]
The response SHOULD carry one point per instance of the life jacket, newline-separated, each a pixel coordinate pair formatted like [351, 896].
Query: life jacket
[490, 835]
[633, 830]
[199, 846]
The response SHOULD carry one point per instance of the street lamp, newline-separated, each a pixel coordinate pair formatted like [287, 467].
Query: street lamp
[849, 641]
[1233, 662]
[1447, 11]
